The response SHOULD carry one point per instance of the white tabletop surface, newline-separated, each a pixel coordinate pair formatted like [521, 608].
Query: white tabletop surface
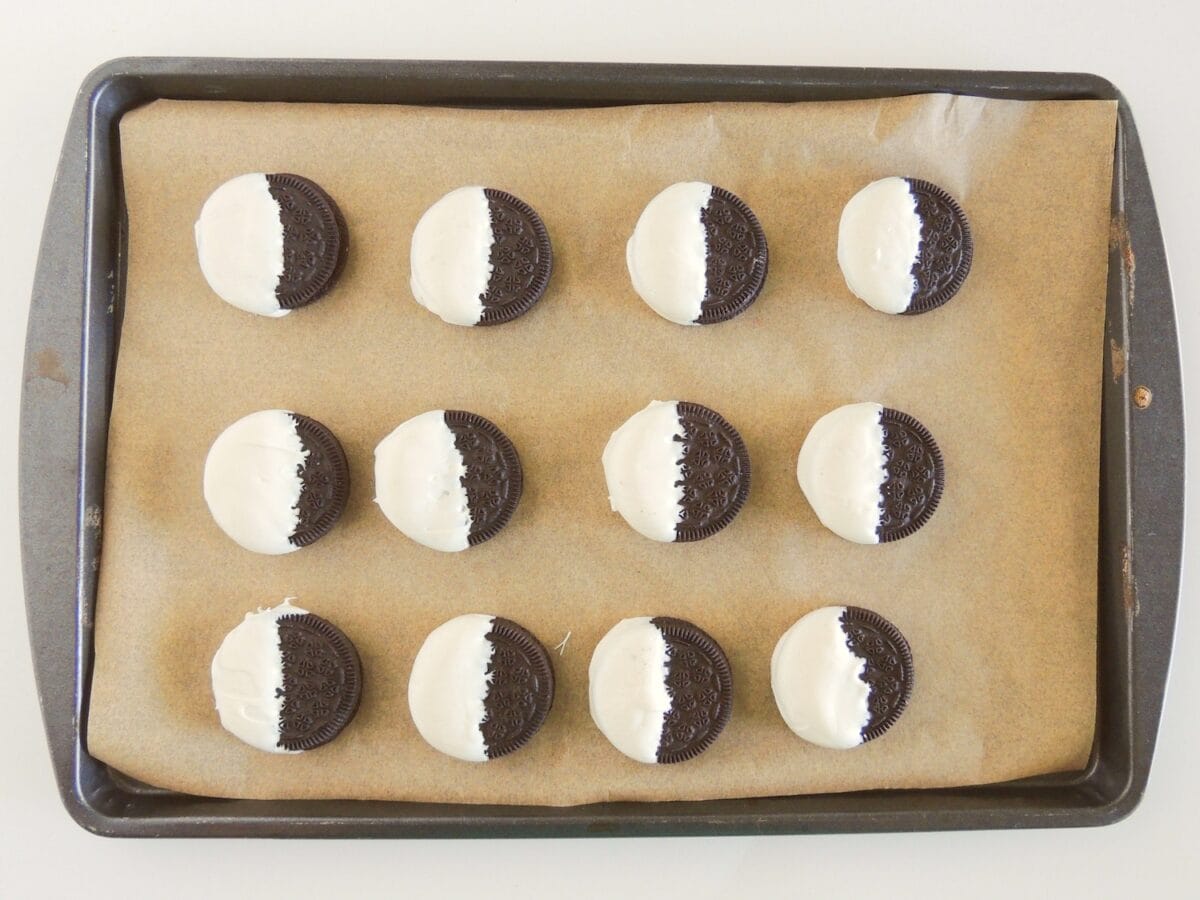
[1148, 49]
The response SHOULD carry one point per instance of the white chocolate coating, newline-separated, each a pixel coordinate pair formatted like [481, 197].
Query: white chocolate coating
[448, 685]
[642, 470]
[841, 469]
[627, 688]
[668, 253]
[815, 679]
[239, 240]
[450, 260]
[247, 678]
[418, 485]
[879, 239]
[252, 480]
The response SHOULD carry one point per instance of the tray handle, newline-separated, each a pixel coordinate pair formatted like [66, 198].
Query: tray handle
[66, 381]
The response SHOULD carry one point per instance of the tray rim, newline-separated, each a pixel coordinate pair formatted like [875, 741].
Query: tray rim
[61, 468]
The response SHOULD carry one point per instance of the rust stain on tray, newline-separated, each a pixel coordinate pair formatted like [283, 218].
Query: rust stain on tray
[1128, 586]
[48, 365]
[1118, 239]
[1117, 354]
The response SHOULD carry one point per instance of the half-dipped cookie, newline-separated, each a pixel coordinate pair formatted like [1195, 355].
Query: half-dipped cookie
[677, 471]
[271, 243]
[481, 687]
[871, 474]
[698, 254]
[448, 479]
[286, 680]
[480, 256]
[276, 481]
[660, 689]
[904, 245]
[841, 675]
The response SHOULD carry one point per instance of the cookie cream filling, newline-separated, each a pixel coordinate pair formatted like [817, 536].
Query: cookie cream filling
[667, 255]
[239, 240]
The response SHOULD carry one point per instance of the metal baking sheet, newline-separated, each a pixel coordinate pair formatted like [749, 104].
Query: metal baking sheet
[74, 333]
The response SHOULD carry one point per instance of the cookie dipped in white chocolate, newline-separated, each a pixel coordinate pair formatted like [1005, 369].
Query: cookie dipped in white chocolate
[276, 481]
[676, 471]
[479, 256]
[841, 676]
[268, 244]
[904, 245]
[481, 686]
[285, 680]
[698, 254]
[660, 689]
[871, 474]
[447, 479]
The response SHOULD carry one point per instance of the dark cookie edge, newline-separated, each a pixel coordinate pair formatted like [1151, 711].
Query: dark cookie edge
[939, 475]
[539, 659]
[329, 272]
[683, 630]
[348, 702]
[327, 442]
[900, 642]
[968, 250]
[730, 308]
[516, 476]
[541, 279]
[743, 492]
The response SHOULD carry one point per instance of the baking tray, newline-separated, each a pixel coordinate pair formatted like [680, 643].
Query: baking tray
[71, 347]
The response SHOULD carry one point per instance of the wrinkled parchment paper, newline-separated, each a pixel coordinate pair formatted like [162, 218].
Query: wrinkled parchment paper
[997, 594]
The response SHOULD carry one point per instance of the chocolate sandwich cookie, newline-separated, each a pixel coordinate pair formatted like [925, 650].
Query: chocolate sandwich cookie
[904, 245]
[285, 680]
[677, 471]
[480, 257]
[871, 474]
[448, 479]
[271, 243]
[276, 481]
[841, 675]
[698, 254]
[660, 689]
[481, 687]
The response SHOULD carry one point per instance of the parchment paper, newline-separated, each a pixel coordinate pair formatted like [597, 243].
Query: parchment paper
[997, 594]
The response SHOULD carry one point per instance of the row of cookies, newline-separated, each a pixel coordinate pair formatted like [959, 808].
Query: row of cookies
[276, 481]
[270, 243]
[660, 689]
